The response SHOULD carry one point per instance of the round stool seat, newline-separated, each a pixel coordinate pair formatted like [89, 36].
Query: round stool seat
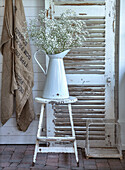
[58, 101]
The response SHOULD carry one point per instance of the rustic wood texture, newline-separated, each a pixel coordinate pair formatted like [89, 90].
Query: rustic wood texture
[89, 70]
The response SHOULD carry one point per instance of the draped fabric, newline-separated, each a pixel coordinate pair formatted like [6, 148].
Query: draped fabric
[17, 74]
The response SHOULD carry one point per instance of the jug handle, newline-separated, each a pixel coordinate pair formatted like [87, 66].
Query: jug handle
[35, 55]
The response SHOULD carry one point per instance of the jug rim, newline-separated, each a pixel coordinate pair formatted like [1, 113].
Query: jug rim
[59, 55]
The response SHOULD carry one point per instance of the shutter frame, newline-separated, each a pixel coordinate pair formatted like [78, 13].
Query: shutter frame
[94, 83]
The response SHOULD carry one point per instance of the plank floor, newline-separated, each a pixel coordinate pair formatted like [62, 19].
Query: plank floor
[19, 157]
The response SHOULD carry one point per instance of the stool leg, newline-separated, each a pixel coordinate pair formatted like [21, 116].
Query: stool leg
[38, 134]
[35, 152]
[73, 133]
[40, 121]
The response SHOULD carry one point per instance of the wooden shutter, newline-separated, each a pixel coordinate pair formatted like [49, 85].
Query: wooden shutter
[90, 70]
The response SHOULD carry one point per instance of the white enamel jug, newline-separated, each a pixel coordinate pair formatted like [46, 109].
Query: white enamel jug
[56, 84]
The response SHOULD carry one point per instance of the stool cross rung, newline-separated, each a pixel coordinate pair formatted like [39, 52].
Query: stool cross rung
[56, 150]
[56, 138]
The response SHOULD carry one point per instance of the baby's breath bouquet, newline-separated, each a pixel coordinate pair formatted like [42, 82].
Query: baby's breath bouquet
[55, 35]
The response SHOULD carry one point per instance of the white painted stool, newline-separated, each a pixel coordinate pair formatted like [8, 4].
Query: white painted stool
[39, 149]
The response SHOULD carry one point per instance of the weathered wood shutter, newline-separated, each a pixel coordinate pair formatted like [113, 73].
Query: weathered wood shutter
[90, 71]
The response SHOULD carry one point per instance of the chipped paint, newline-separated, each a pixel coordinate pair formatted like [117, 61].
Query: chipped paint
[82, 14]
[113, 26]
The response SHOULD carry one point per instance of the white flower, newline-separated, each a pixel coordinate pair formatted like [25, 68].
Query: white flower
[57, 35]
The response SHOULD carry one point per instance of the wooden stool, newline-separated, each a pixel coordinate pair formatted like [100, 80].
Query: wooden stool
[39, 149]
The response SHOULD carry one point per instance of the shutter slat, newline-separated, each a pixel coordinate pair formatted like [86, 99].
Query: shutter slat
[101, 111]
[91, 54]
[79, 3]
[83, 106]
[94, 44]
[84, 49]
[79, 128]
[84, 17]
[102, 26]
[85, 63]
[78, 67]
[96, 30]
[96, 133]
[95, 22]
[91, 98]
[95, 40]
[76, 94]
[60, 115]
[70, 57]
[85, 72]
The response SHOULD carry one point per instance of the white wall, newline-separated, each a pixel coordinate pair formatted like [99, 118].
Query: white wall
[122, 72]
[9, 133]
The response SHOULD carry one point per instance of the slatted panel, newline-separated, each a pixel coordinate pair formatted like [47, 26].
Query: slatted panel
[87, 69]
[90, 104]
[89, 59]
